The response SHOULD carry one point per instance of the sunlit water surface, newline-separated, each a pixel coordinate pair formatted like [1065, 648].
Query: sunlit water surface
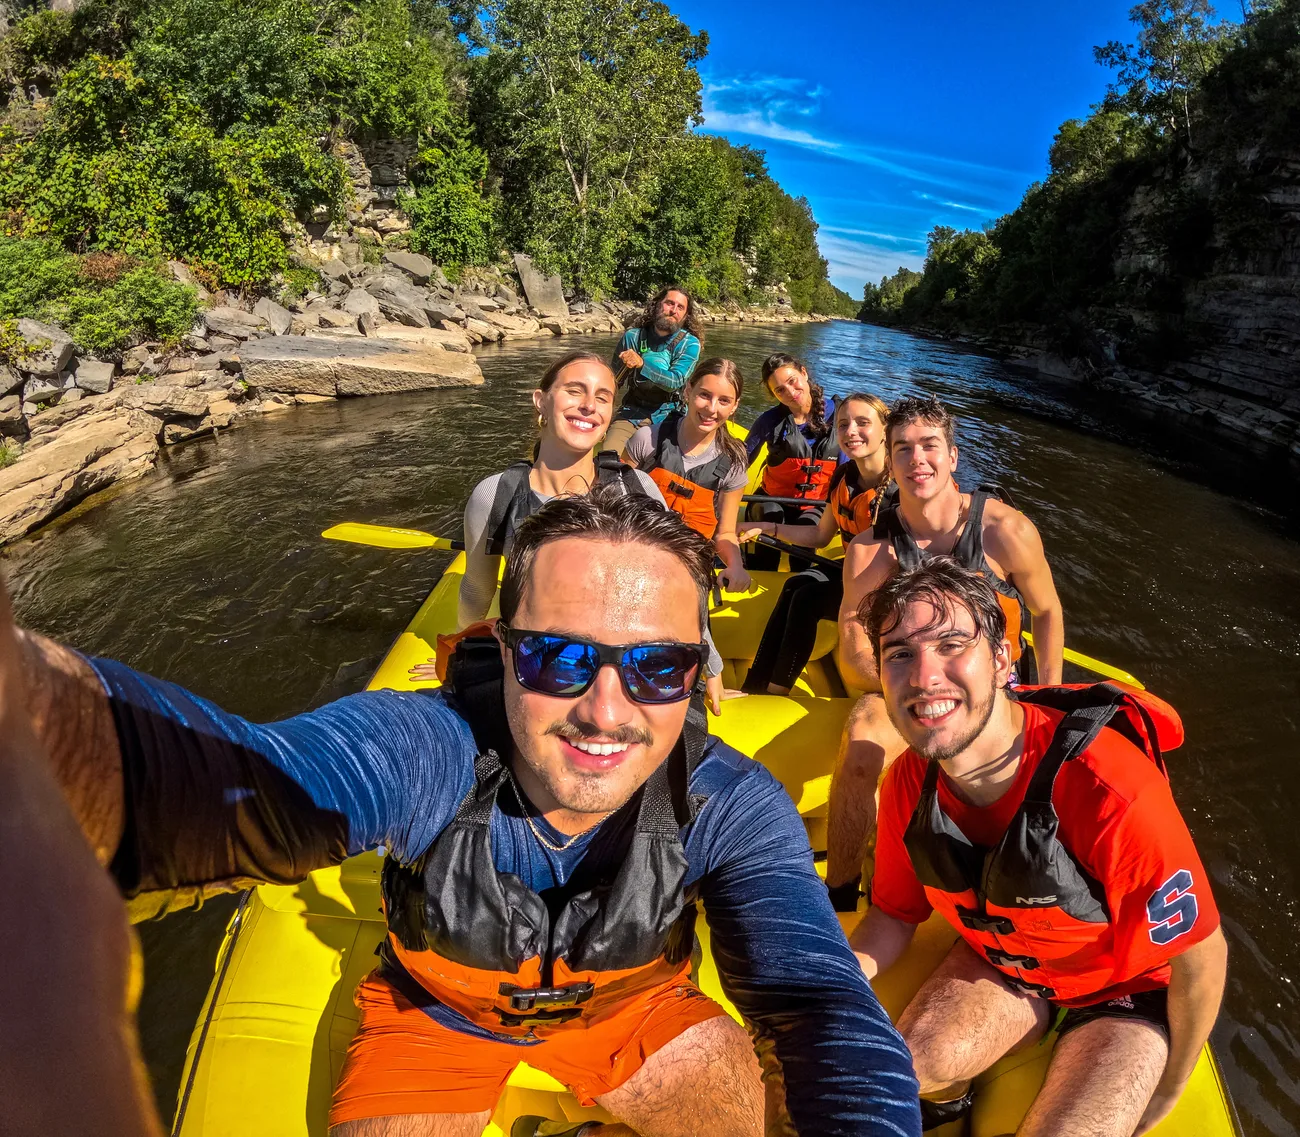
[211, 572]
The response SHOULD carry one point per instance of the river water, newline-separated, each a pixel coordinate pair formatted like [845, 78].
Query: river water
[1173, 560]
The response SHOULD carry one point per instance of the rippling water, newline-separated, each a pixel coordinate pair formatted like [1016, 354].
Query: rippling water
[211, 573]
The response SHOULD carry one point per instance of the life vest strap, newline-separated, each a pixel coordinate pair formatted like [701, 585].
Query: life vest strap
[1026, 988]
[554, 998]
[980, 922]
[1007, 959]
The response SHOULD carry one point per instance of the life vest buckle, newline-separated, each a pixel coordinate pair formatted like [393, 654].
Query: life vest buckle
[979, 922]
[525, 999]
[1027, 988]
[1006, 959]
[681, 490]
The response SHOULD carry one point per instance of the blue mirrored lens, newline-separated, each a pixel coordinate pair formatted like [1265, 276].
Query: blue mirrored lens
[555, 665]
[660, 673]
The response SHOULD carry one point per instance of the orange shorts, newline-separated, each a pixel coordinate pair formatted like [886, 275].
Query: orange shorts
[403, 1062]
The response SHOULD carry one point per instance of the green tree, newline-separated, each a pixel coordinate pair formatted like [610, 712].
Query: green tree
[1177, 45]
[585, 100]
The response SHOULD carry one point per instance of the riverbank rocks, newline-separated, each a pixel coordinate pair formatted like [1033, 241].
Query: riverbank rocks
[232, 322]
[48, 349]
[418, 267]
[94, 376]
[13, 424]
[545, 293]
[278, 319]
[88, 455]
[326, 365]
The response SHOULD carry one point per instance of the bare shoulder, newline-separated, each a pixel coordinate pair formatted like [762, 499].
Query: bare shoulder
[1009, 535]
[868, 561]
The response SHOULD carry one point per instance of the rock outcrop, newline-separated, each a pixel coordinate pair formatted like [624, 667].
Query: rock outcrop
[341, 366]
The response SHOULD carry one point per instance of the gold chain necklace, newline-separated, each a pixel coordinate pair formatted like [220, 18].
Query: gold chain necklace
[523, 808]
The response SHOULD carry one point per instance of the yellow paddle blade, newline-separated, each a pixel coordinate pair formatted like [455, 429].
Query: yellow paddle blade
[387, 536]
[1095, 665]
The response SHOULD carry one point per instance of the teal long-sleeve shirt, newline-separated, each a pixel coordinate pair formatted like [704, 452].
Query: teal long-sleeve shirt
[669, 362]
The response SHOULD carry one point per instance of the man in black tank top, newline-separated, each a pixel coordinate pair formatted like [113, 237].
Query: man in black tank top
[932, 517]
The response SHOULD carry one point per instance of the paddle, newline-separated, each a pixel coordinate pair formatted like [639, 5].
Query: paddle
[762, 497]
[1094, 665]
[799, 551]
[389, 537]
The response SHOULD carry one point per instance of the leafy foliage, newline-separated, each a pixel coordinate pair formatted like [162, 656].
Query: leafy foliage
[104, 301]
[451, 220]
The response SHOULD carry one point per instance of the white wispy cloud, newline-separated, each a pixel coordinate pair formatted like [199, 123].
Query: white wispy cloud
[955, 204]
[852, 262]
[896, 238]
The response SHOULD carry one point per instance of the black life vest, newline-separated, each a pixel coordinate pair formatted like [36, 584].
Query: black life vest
[968, 552]
[1027, 903]
[641, 392]
[798, 468]
[515, 499]
[692, 493]
[485, 945]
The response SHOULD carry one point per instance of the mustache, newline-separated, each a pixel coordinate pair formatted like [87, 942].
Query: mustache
[585, 731]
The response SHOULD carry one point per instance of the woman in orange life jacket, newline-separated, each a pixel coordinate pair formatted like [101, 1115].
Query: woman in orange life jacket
[802, 450]
[815, 593]
[698, 464]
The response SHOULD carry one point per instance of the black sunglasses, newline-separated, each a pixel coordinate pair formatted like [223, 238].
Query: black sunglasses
[552, 663]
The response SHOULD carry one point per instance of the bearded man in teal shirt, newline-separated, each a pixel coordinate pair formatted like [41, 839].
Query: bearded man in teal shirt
[653, 360]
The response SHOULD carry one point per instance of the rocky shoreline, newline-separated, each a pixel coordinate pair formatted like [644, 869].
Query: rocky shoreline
[71, 426]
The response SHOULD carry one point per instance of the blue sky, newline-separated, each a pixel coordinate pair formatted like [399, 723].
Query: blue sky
[895, 117]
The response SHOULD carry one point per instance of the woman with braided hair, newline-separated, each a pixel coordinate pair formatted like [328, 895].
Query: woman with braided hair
[856, 490]
[802, 450]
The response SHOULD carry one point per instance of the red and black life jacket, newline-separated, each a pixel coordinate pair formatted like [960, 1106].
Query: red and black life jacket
[797, 468]
[1027, 904]
[515, 499]
[692, 493]
[482, 943]
[968, 552]
[853, 505]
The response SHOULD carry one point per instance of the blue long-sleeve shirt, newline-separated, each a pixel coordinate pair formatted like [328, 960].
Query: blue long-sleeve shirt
[669, 361]
[213, 799]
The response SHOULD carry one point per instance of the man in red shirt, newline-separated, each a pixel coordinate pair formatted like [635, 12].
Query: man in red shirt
[1053, 845]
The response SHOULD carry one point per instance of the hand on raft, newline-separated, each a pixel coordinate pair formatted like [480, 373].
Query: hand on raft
[734, 579]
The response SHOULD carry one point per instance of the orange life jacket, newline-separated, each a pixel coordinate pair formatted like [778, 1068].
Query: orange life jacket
[1027, 905]
[693, 493]
[482, 943]
[852, 505]
[796, 468]
[968, 551]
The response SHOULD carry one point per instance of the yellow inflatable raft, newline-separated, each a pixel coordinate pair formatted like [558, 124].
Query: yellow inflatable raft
[270, 1041]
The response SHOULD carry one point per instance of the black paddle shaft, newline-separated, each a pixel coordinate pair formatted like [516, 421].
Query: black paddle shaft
[799, 551]
[803, 501]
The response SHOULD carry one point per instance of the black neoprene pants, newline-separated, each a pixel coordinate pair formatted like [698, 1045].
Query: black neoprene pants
[791, 632]
[765, 557]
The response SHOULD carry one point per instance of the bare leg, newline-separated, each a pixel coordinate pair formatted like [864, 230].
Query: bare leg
[963, 1019]
[869, 744]
[416, 1125]
[705, 1081]
[1099, 1082]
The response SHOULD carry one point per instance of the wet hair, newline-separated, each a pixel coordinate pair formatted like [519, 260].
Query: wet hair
[926, 409]
[608, 513]
[732, 447]
[817, 412]
[943, 583]
[877, 404]
[690, 323]
[552, 373]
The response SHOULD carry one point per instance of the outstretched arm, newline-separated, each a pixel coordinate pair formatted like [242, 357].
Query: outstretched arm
[786, 965]
[69, 1063]
[1027, 568]
[861, 576]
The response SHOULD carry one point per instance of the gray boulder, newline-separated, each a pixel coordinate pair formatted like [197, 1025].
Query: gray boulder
[354, 366]
[12, 422]
[231, 322]
[368, 322]
[418, 268]
[94, 376]
[336, 269]
[71, 395]
[40, 390]
[278, 319]
[545, 293]
[399, 300]
[359, 302]
[335, 318]
[470, 308]
[438, 311]
[10, 380]
[50, 349]
[137, 357]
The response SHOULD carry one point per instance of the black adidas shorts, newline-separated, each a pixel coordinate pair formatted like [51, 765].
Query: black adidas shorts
[1145, 1006]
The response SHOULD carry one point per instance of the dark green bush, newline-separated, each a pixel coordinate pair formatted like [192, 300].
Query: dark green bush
[451, 221]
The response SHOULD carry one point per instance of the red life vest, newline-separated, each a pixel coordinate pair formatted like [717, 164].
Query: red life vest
[796, 468]
[968, 552]
[482, 943]
[693, 493]
[853, 505]
[1027, 905]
